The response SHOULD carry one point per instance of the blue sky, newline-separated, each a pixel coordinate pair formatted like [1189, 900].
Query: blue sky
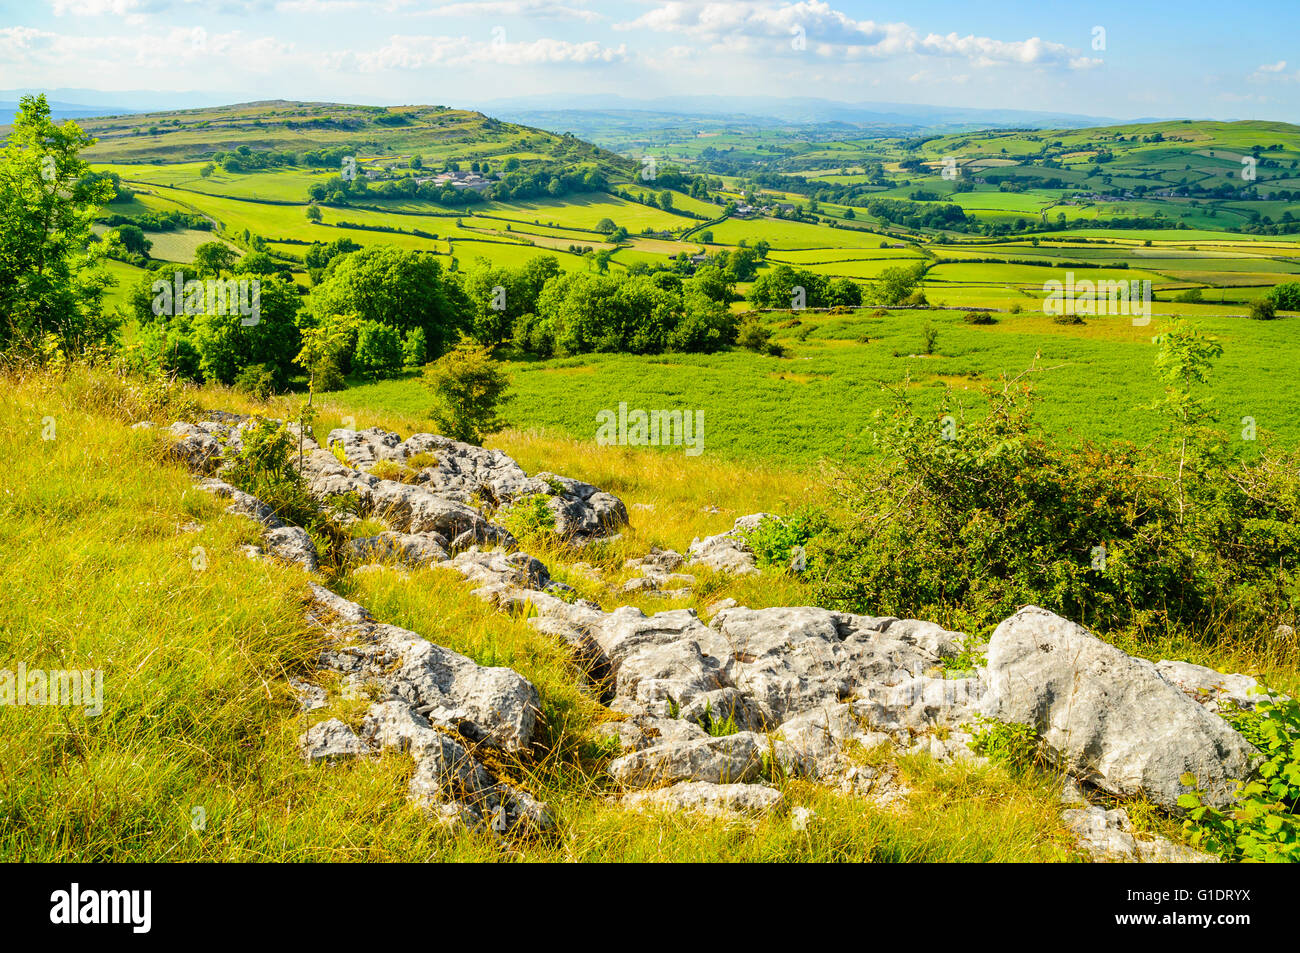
[1197, 59]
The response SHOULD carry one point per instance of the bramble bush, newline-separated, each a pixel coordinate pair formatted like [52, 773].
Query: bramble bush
[967, 519]
[1263, 824]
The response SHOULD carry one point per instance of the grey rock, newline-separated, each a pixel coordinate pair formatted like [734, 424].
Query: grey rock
[197, 448]
[1212, 689]
[708, 799]
[714, 608]
[797, 659]
[310, 697]
[292, 544]
[730, 759]
[411, 549]
[1108, 837]
[1111, 720]
[724, 553]
[727, 704]
[241, 503]
[330, 740]
[469, 475]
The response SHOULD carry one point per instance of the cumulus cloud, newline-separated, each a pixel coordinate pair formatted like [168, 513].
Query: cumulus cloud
[538, 9]
[172, 49]
[420, 52]
[816, 26]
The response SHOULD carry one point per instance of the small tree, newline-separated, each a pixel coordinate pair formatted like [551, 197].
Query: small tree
[212, 258]
[1263, 310]
[468, 387]
[379, 350]
[313, 213]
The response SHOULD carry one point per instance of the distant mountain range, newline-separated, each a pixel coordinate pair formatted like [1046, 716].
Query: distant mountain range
[615, 120]
[81, 103]
[601, 116]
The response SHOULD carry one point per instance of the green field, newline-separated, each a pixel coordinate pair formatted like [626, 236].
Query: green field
[818, 402]
[818, 399]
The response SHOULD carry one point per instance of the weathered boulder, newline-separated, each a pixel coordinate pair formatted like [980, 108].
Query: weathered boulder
[726, 760]
[446, 773]
[1212, 689]
[710, 800]
[796, 659]
[197, 447]
[405, 507]
[465, 474]
[728, 552]
[1111, 720]
[411, 549]
[494, 706]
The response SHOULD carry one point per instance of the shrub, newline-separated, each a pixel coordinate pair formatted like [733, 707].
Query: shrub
[1286, 296]
[1190, 296]
[414, 350]
[263, 467]
[468, 387]
[528, 518]
[1263, 310]
[965, 522]
[257, 380]
[754, 336]
[929, 338]
[322, 354]
[1011, 745]
[1263, 825]
[779, 542]
[979, 317]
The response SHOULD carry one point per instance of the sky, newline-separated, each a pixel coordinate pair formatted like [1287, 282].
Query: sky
[1127, 59]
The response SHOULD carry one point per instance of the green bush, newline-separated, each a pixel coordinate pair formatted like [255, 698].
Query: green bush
[257, 380]
[1011, 745]
[528, 518]
[1286, 296]
[1263, 310]
[979, 317]
[263, 466]
[779, 542]
[754, 336]
[1263, 825]
[415, 352]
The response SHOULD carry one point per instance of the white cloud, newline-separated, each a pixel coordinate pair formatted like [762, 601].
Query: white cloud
[539, 9]
[419, 52]
[826, 32]
[183, 50]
